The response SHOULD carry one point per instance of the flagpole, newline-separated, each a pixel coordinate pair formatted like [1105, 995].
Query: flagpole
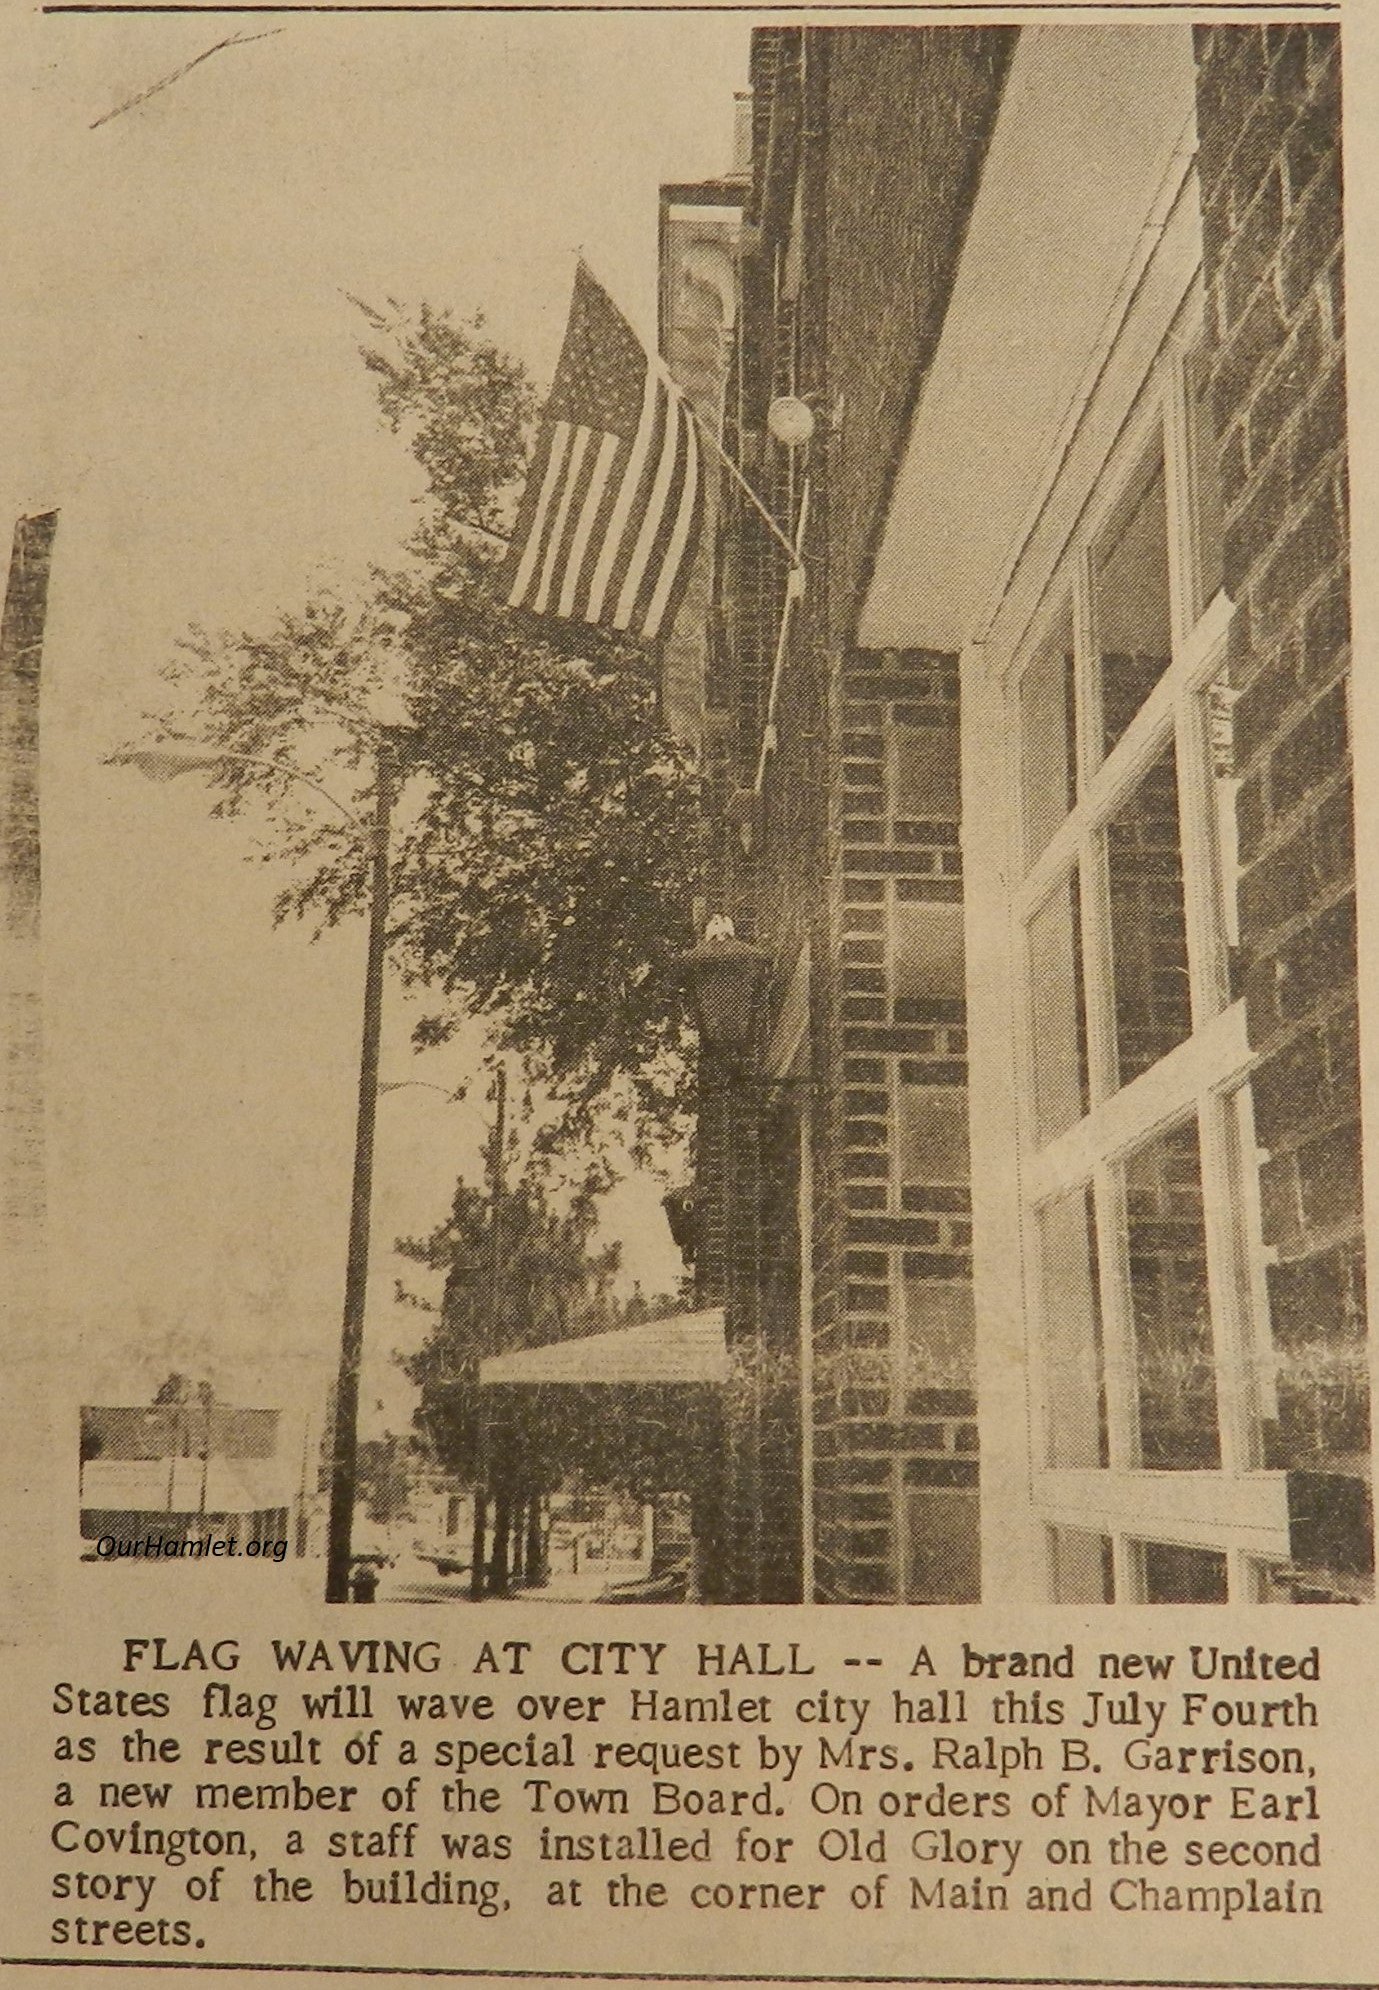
[794, 590]
[649, 346]
[546, 537]
[707, 435]
[726, 460]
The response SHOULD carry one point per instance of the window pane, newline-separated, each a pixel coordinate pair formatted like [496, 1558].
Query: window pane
[1153, 1007]
[1166, 1250]
[933, 1134]
[1048, 756]
[925, 773]
[1130, 578]
[1058, 1013]
[1206, 468]
[1182, 1575]
[926, 953]
[1083, 1567]
[1074, 1357]
[1268, 1582]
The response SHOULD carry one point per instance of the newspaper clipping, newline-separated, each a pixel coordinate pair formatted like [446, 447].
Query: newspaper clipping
[681, 812]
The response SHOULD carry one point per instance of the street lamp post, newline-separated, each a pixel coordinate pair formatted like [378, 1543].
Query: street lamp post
[163, 762]
[344, 1449]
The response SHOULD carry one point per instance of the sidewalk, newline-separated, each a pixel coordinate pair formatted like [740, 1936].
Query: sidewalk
[586, 1586]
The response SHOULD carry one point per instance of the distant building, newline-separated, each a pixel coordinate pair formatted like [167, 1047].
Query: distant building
[24, 1323]
[180, 1470]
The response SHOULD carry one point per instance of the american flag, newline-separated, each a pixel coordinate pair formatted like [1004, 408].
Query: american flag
[615, 494]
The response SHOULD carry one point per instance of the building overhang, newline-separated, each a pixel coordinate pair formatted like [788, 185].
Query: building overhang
[685, 1350]
[1091, 122]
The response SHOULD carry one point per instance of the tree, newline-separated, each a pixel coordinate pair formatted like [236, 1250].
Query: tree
[548, 1284]
[384, 1476]
[517, 1273]
[546, 841]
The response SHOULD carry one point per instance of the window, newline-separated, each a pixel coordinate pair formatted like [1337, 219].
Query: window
[1170, 1307]
[942, 1547]
[1049, 757]
[1138, 1220]
[1059, 1035]
[1148, 921]
[1130, 587]
[1082, 1566]
[1074, 1349]
[1172, 1574]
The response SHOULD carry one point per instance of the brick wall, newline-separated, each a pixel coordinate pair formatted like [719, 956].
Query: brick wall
[868, 145]
[894, 1404]
[1270, 167]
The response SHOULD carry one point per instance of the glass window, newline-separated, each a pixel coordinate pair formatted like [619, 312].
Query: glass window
[1150, 989]
[1182, 1575]
[1124, 838]
[1058, 1013]
[943, 1546]
[1166, 1254]
[1083, 1566]
[1048, 757]
[940, 1336]
[1074, 1355]
[1134, 629]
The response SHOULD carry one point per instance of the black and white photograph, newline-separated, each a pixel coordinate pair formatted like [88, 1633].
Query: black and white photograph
[843, 791]
[678, 769]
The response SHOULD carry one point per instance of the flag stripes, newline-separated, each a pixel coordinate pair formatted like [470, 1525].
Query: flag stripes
[614, 503]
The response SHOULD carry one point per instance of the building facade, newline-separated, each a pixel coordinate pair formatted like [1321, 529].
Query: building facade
[833, 1199]
[188, 1471]
[1035, 800]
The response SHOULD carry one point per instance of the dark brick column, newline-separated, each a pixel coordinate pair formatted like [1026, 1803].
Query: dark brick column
[1270, 166]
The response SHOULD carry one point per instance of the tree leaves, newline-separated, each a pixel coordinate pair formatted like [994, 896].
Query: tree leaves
[546, 841]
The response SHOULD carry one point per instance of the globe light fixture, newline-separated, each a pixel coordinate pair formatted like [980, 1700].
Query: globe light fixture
[791, 421]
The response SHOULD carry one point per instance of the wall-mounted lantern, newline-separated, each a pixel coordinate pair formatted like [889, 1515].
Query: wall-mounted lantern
[681, 1215]
[725, 978]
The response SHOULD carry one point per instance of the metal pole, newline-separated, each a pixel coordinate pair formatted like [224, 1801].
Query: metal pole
[497, 1154]
[345, 1445]
[205, 1460]
[479, 1570]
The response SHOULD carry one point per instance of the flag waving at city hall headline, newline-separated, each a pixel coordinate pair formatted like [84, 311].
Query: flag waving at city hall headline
[615, 494]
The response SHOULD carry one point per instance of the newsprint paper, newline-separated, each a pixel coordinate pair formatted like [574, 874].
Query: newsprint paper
[687, 857]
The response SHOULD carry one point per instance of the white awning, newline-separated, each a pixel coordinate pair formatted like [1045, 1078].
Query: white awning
[685, 1348]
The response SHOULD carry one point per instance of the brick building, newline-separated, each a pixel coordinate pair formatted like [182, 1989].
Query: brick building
[832, 1197]
[1074, 623]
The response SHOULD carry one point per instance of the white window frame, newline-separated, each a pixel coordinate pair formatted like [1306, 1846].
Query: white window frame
[1238, 1510]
